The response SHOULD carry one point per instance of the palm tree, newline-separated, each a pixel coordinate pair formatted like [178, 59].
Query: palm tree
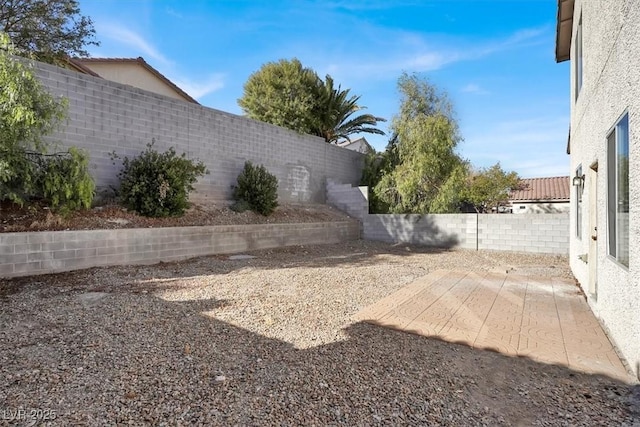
[334, 121]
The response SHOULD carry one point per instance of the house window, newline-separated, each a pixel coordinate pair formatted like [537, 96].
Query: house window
[579, 192]
[578, 48]
[618, 191]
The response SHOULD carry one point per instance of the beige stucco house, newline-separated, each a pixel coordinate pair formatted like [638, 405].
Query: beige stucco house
[602, 41]
[541, 195]
[130, 71]
[361, 145]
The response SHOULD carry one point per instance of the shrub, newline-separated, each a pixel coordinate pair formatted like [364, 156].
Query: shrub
[240, 206]
[258, 188]
[158, 184]
[27, 114]
[65, 181]
[18, 176]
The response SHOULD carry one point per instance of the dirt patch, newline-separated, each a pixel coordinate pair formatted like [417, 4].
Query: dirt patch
[14, 218]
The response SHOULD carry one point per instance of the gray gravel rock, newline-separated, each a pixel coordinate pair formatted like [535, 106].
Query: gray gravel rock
[271, 340]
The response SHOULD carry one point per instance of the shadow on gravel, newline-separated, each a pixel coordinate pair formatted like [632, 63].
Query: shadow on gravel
[157, 276]
[139, 359]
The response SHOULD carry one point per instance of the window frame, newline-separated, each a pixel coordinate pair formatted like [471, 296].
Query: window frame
[617, 138]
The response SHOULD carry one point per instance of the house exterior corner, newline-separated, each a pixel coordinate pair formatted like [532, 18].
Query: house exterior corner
[604, 50]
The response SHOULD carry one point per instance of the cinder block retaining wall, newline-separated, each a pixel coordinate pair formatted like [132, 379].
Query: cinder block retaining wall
[23, 254]
[540, 233]
[451, 230]
[106, 117]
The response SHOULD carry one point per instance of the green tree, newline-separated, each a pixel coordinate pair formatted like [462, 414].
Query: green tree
[48, 30]
[376, 166]
[287, 94]
[27, 113]
[282, 93]
[334, 115]
[429, 176]
[488, 187]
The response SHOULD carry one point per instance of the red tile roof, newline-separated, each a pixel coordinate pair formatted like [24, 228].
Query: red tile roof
[555, 188]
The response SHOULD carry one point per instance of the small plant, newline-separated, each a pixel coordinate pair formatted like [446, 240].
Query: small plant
[65, 181]
[158, 184]
[257, 188]
[240, 206]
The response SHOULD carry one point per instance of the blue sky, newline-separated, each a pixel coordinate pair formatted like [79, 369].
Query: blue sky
[495, 59]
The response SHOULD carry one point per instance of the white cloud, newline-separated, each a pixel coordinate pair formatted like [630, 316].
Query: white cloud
[430, 61]
[130, 43]
[423, 54]
[172, 12]
[367, 4]
[474, 89]
[525, 146]
[133, 40]
[199, 89]
[541, 169]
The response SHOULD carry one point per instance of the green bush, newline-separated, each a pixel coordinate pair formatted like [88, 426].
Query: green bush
[27, 114]
[158, 184]
[65, 181]
[18, 176]
[240, 206]
[258, 188]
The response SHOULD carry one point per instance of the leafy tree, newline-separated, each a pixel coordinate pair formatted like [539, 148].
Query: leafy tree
[376, 166]
[49, 30]
[27, 113]
[334, 114]
[282, 93]
[429, 176]
[489, 187]
[286, 94]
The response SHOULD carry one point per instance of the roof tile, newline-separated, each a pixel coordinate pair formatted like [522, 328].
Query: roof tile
[554, 188]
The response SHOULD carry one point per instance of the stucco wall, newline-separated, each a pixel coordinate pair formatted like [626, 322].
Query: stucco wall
[133, 74]
[540, 208]
[611, 87]
[106, 117]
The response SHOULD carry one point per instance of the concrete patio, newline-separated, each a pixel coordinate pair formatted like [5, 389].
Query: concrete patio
[545, 319]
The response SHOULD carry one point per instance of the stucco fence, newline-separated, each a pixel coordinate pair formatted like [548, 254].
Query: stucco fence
[536, 233]
[30, 253]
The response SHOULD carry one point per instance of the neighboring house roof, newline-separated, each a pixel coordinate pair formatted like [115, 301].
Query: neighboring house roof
[78, 66]
[83, 65]
[554, 189]
[357, 145]
[564, 30]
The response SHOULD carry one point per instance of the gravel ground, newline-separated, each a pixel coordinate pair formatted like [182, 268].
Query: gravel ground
[271, 340]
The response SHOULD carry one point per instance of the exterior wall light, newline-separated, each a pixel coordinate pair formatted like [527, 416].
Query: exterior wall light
[578, 180]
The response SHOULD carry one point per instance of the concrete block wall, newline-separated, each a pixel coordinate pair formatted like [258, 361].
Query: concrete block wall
[347, 198]
[538, 233]
[106, 117]
[445, 231]
[23, 254]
